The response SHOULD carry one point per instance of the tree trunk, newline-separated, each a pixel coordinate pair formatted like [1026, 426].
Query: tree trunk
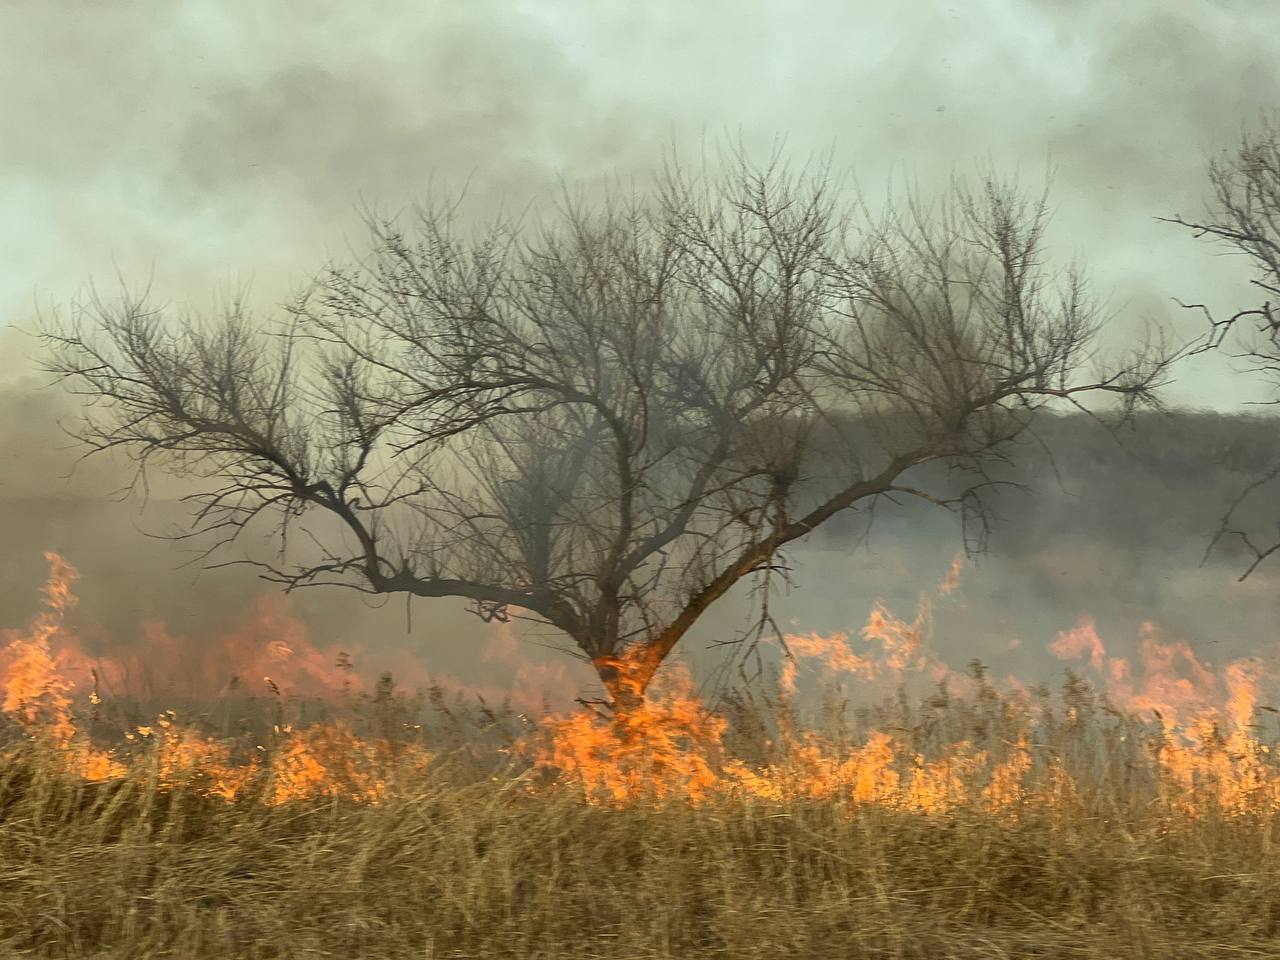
[626, 680]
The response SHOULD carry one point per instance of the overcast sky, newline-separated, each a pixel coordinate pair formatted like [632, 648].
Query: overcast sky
[226, 141]
[221, 142]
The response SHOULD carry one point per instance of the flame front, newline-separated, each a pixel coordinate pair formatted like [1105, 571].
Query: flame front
[1166, 729]
[324, 760]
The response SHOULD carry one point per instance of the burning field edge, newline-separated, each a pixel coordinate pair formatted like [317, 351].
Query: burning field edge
[865, 800]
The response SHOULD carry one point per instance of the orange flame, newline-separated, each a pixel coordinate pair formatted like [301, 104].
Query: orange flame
[1203, 753]
[1208, 750]
[325, 760]
[35, 690]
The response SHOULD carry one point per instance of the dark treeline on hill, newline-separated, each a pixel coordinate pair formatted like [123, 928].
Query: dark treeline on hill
[1161, 481]
[1114, 526]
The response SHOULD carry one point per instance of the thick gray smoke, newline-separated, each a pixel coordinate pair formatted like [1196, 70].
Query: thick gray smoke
[208, 144]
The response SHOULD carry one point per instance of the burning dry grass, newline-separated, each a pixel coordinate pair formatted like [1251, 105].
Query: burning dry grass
[484, 869]
[973, 821]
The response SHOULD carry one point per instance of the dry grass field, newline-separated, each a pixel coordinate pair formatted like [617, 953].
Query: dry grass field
[457, 865]
[958, 820]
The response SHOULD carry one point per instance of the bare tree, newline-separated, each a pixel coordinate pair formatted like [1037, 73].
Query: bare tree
[605, 421]
[1244, 218]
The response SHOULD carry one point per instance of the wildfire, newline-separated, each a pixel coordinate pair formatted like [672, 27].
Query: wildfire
[324, 760]
[1209, 746]
[1203, 753]
[35, 691]
[1169, 727]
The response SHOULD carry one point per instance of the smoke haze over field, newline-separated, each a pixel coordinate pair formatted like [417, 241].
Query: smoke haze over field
[222, 141]
[213, 143]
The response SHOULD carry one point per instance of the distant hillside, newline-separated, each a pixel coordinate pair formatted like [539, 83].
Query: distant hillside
[1117, 533]
[1162, 481]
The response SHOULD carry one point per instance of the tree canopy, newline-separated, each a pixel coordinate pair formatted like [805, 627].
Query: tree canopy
[606, 418]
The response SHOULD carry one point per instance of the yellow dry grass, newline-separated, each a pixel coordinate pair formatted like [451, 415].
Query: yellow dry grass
[986, 824]
[455, 862]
